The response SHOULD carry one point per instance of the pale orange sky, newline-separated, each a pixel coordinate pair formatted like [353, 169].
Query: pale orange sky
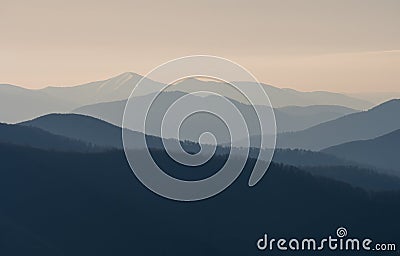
[343, 46]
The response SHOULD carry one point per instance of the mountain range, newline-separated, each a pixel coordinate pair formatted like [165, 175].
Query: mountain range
[67, 189]
[78, 133]
[347, 137]
[20, 104]
[352, 138]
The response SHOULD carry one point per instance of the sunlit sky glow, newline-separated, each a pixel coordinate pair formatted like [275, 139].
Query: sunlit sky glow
[342, 46]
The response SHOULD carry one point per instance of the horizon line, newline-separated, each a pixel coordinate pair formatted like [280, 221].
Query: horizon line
[134, 73]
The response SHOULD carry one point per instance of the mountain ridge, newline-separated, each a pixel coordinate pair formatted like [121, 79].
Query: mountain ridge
[38, 138]
[375, 122]
[381, 152]
[288, 119]
[58, 99]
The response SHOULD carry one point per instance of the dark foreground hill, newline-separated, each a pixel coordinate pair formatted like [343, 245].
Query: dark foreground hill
[76, 204]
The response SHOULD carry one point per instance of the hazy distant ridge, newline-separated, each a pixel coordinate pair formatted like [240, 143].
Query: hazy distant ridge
[19, 104]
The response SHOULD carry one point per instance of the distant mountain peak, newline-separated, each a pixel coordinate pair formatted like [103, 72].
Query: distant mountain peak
[199, 80]
[116, 82]
[125, 75]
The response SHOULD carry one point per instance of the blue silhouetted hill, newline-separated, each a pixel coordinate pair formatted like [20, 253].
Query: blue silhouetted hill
[381, 152]
[87, 129]
[38, 138]
[84, 128]
[369, 124]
